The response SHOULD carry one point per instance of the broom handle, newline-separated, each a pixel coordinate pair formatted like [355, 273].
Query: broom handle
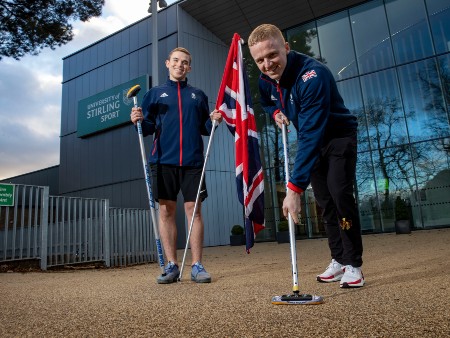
[290, 220]
[196, 199]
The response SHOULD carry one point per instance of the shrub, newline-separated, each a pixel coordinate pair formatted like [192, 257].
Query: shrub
[237, 230]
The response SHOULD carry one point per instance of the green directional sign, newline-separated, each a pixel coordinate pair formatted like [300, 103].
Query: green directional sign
[109, 108]
[7, 194]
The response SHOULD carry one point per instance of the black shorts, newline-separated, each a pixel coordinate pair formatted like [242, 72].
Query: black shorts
[168, 180]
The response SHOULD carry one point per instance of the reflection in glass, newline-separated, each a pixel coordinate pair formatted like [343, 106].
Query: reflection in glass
[336, 45]
[303, 39]
[432, 166]
[367, 195]
[439, 12]
[394, 176]
[351, 93]
[271, 210]
[444, 75]
[424, 104]
[410, 34]
[270, 163]
[371, 36]
[403, 112]
[311, 216]
[383, 109]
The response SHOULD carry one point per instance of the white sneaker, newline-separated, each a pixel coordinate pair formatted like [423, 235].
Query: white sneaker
[333, 273]
[353, 277]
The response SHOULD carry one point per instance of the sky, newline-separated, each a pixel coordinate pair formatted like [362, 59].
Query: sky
[31, 91]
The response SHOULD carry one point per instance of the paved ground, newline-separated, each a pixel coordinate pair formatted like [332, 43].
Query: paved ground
[407, 295]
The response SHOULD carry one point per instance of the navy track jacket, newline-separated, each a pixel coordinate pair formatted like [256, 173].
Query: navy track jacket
[307, 94]
[178, 115]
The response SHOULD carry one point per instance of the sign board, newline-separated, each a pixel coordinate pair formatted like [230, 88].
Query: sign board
[109, 108]
[7, 194]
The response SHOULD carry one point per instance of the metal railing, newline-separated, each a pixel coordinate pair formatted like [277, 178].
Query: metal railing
[21, 224]
[131, 239]
[72, 230]
[76, 231]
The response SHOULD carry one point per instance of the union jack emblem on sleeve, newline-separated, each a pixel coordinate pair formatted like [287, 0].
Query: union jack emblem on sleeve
[309, 75]
[234, 102]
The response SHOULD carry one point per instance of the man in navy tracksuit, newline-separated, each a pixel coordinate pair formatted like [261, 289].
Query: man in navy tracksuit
[177, 114]
[299, 89]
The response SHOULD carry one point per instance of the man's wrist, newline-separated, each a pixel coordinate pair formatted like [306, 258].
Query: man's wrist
[275, 113]
[294, 188]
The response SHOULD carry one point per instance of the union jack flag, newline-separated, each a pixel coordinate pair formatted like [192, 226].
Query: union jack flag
[234, 102]
[309, 75]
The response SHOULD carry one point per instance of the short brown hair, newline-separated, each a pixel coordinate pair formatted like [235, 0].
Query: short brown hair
[264, 32]
[180, 49]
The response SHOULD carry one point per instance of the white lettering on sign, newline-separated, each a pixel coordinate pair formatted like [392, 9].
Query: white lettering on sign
[6, 194]
[103, 106]
[110, 116]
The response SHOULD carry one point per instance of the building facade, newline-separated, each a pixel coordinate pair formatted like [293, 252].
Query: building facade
[392, 64]
[107, 163]
[390, 59]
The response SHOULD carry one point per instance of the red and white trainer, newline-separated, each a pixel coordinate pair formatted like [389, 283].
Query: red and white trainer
[333, 273]
[353, 277]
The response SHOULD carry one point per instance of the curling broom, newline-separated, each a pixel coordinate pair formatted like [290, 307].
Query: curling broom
[295, 298]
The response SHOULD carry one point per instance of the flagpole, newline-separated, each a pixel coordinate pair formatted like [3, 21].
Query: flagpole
[235, 104]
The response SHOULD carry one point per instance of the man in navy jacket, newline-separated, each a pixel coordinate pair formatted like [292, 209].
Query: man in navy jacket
[299, 89]
[177, 114]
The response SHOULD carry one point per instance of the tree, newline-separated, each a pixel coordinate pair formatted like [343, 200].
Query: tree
[302, 41]
[27, 27]
[435, 83]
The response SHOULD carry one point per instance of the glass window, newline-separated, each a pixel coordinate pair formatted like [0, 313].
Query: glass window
[410, 34]
[351, 93]
[425, 110]
[336, 45]
[371, 36]
[271, 209]
[311, 215]
[303, 39]
[444, 71]
[252, 71]
[395, 177]
[439, 12]
[367, 196]
[403, 111]
[432, 166]
[383, 109]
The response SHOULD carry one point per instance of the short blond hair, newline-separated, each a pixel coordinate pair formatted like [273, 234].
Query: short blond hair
[180, 49]
[264, 32]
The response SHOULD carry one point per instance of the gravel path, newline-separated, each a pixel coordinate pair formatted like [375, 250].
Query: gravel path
[407, 294]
